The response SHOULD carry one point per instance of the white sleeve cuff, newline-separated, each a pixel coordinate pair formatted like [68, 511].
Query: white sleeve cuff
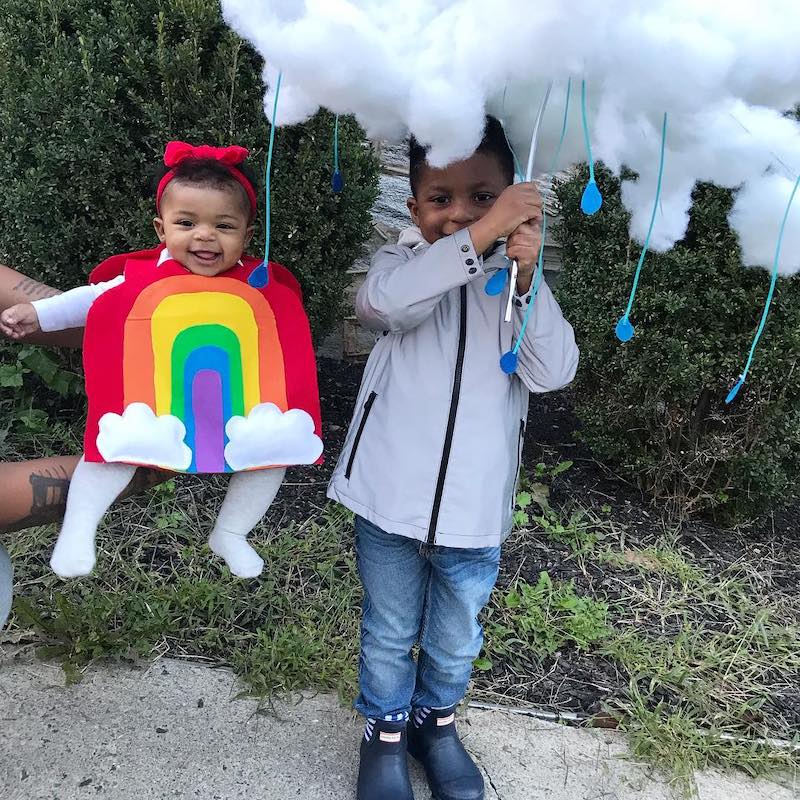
[70, 309]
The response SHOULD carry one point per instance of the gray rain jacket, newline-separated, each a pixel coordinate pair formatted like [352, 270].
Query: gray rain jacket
[433, 451]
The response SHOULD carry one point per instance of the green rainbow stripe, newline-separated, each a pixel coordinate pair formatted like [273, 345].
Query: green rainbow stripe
[204, 336]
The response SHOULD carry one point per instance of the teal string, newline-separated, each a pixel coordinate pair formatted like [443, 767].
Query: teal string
[772, 282]
[586, 130]
[652, 218]
[517, 165]
[336, 144]
[540, 264]
[268, 177]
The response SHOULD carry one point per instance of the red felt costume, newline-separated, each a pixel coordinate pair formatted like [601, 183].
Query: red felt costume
[104, 344]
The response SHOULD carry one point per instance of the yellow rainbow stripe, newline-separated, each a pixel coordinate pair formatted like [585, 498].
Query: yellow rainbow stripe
[179, 313]
[173, 305]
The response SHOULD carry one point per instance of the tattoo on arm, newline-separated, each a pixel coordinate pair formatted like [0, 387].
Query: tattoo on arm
[49, 492]
[34, 289]
[49, 489]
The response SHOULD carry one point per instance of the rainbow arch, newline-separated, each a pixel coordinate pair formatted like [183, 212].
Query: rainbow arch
[202, 350]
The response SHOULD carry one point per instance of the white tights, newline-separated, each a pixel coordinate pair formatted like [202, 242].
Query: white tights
[94, 487]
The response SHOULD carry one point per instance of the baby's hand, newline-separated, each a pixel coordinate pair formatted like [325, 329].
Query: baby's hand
[19, 320]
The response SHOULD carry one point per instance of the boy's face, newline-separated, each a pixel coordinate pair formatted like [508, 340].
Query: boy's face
[204, 228]
[450, 199]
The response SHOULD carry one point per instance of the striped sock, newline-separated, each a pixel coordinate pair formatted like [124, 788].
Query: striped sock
[420, 715]
[369, 727]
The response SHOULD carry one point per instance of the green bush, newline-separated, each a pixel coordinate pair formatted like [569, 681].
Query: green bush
[90, 91]
[654, 407]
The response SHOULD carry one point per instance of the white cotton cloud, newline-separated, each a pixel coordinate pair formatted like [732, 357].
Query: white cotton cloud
[268, 437]
[724, 70]
[138, 436]
[757, 212]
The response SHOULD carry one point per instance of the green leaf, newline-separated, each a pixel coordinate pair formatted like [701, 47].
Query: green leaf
[11, 376]
[524, 499]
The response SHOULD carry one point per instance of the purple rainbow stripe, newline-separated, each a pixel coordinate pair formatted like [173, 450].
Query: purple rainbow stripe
[209, 421]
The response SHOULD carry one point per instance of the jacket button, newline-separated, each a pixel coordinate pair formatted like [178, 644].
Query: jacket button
[528, 299]
[473, 270]
[465, 248]
[517, 302]
[470, 261]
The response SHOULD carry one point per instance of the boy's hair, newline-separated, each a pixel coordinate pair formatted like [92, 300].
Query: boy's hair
[494, 143]
[206, 172]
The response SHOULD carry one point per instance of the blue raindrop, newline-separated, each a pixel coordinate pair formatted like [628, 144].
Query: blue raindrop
[733, 392]
[591, 199]
[508, 362]
[624, 329]
[259, 277]
[497, 283]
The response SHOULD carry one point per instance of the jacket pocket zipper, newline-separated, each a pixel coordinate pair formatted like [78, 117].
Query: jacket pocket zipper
[520, 442]
[367, 409]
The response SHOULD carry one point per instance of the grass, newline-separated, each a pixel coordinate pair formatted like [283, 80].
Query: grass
[158, 589]
[701, 657]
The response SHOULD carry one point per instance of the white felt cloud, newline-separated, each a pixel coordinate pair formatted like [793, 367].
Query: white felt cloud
[724, 70]
[268, 437]
[138, 436]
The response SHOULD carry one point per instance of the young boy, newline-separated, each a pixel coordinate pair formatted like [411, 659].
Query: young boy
[431, 459]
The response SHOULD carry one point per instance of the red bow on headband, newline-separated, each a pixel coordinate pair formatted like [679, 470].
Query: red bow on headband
[176, 152]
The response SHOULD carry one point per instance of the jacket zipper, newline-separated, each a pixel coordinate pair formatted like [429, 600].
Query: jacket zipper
[367, 408]
[451, 420]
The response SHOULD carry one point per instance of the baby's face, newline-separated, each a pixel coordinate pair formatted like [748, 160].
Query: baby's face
[452, 198]
[204, 228]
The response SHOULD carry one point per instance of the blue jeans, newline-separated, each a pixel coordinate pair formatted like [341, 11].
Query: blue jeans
[411, 597]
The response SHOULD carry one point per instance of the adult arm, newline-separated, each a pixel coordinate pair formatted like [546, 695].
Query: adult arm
[17, 288]
[35, 492]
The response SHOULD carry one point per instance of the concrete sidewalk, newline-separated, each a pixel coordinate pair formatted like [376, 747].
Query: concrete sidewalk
[175, 731]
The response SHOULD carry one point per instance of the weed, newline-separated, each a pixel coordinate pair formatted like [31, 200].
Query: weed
[546, 616]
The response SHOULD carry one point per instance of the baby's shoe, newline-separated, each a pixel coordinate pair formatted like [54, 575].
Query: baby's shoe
[434, 742]
[383, 771]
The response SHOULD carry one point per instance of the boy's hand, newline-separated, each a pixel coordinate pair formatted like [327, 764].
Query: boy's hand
[523, 246]
[19, 320]
[516, 205]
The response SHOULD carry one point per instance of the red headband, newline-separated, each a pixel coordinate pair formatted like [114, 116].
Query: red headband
[176, 152]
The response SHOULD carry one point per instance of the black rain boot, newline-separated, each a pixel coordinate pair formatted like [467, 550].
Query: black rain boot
[451, 772]
[383, 771]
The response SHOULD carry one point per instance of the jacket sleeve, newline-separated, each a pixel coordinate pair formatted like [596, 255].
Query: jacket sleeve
[70, 309]
[548, 355]
[402, 289]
